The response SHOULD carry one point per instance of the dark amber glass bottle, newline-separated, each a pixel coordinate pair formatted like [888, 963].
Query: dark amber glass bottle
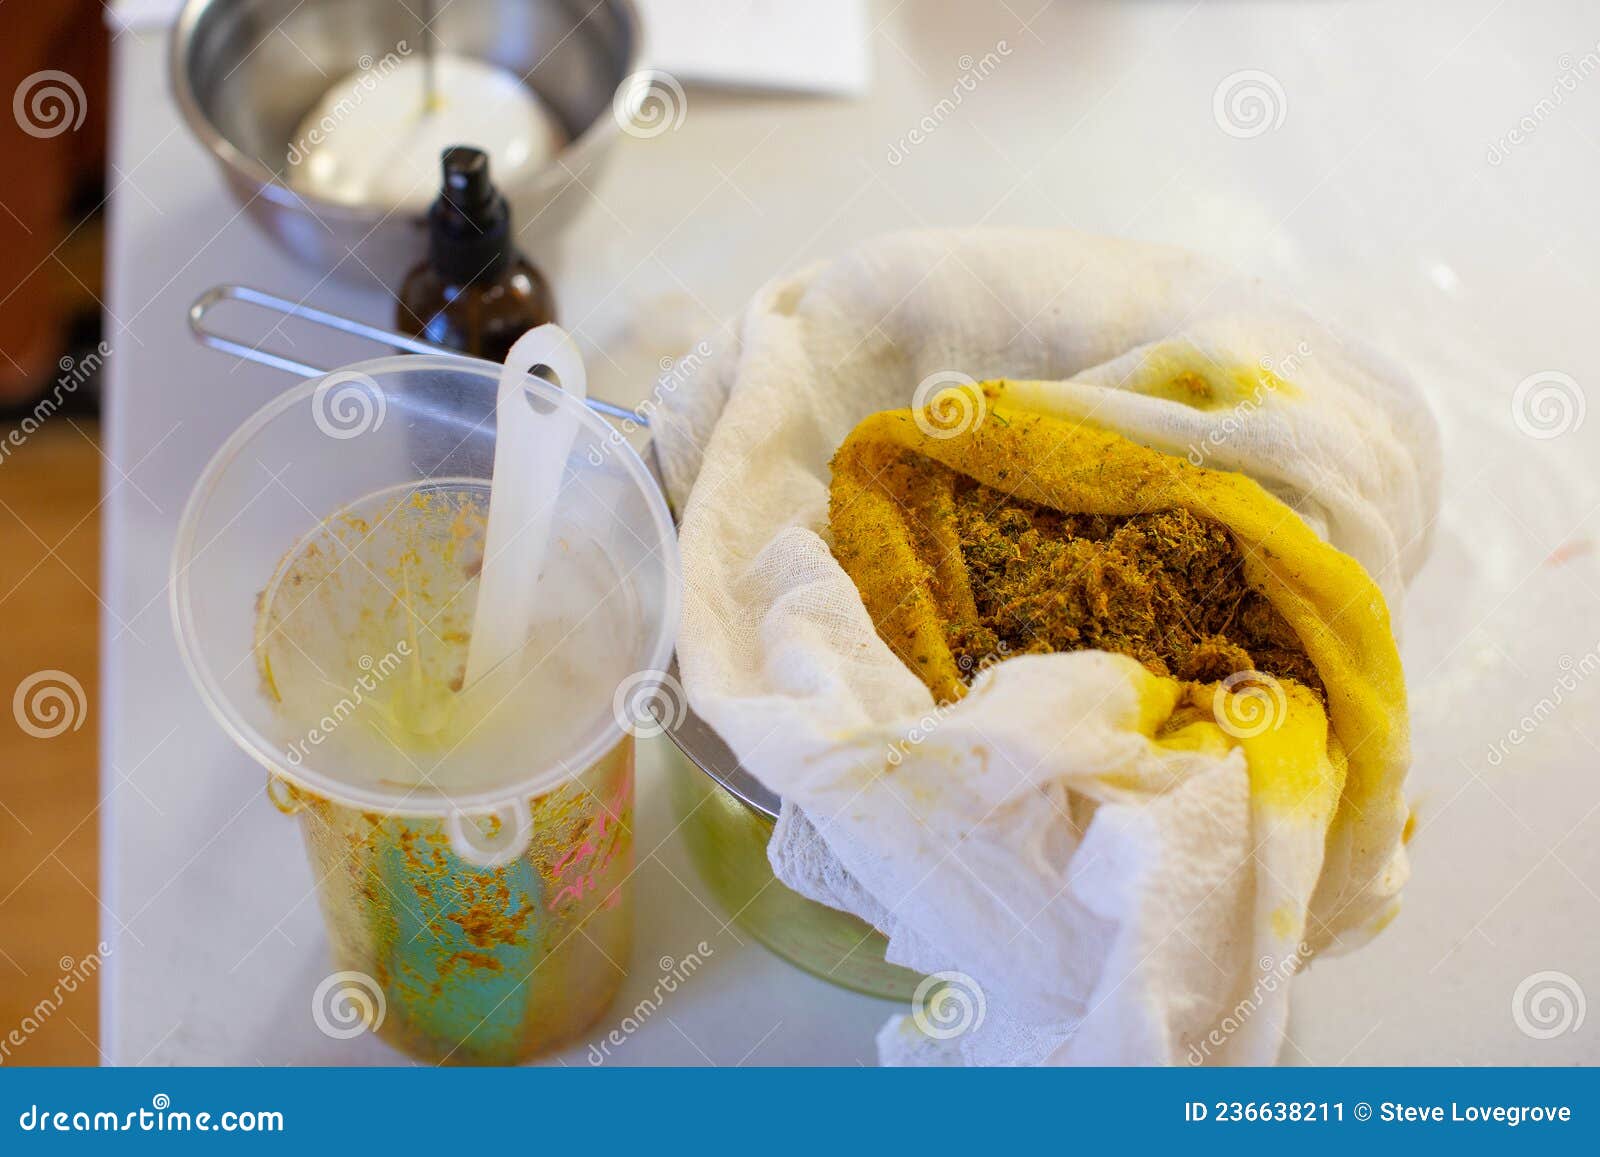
[476, 292]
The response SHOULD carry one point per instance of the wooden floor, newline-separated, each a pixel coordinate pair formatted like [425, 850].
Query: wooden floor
[49, 796]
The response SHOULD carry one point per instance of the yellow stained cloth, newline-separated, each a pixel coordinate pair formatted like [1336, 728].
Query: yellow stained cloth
[895, 536]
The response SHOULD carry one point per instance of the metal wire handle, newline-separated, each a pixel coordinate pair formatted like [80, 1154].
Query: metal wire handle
[300, 311]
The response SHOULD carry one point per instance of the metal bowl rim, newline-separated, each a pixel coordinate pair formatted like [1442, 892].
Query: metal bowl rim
[700, 744]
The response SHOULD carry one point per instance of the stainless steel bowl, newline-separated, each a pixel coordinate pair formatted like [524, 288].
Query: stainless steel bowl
[246, 72]
[726, 816]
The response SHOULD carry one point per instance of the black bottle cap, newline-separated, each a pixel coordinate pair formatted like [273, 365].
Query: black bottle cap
[469, 226]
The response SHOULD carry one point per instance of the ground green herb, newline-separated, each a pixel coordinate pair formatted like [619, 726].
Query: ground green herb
[1166, 588]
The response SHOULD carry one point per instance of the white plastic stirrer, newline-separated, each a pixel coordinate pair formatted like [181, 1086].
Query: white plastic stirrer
[530, 454]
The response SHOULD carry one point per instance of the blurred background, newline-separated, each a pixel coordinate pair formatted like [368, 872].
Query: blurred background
[52, 233]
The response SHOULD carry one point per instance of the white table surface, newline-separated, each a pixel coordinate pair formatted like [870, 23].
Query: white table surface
[1374, 201]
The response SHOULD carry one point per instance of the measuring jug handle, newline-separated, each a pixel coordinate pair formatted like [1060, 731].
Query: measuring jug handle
[469, 843]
